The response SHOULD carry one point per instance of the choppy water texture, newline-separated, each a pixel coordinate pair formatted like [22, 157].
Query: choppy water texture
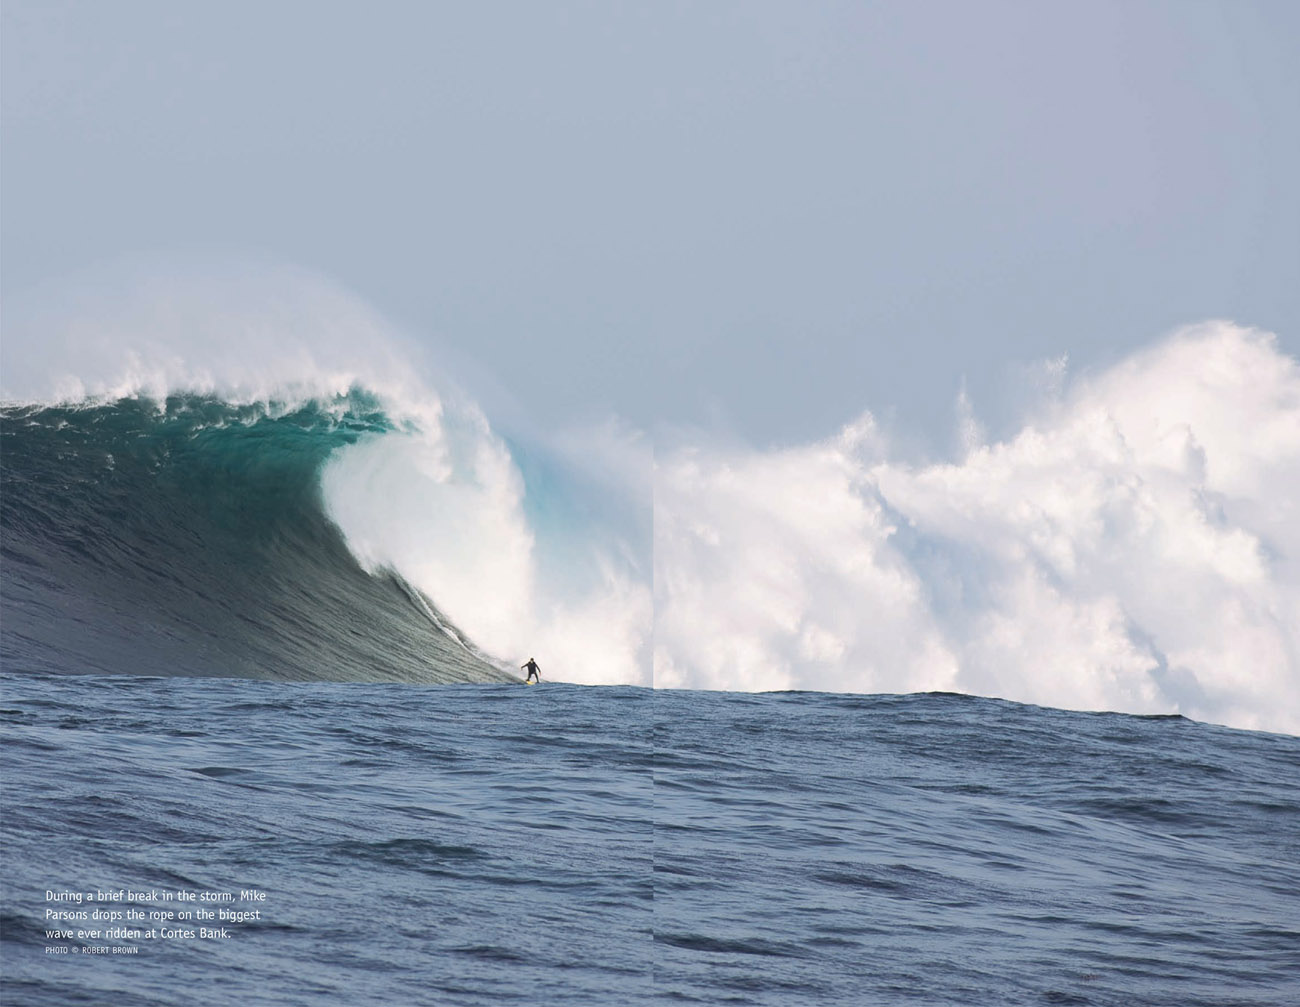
[484, 844]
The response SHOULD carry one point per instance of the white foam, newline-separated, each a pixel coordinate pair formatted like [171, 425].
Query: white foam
[1135, 547]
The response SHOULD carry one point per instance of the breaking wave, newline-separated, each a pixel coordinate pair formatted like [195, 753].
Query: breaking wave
[258, 477]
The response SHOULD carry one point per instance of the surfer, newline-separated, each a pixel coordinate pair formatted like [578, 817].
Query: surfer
[533, 671]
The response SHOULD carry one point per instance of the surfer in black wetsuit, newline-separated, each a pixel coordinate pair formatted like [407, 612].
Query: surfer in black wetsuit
[533, 671]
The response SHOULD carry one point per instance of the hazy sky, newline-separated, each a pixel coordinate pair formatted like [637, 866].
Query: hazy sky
[765, 217]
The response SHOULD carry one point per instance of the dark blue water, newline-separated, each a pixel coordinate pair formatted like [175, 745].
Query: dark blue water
[494, 844]
[437, 845]
[947, 849]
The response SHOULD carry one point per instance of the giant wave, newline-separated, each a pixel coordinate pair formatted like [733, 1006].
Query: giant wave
[224, 482]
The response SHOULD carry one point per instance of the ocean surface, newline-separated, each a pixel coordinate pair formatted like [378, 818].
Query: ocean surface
[495, 844]
[205, 692]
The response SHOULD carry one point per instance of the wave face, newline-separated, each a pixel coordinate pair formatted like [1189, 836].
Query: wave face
[188, 536]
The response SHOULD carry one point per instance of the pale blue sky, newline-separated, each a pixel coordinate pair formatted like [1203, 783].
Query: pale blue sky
[760, 216]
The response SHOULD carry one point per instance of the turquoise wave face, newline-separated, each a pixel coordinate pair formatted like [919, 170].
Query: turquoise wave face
[187, 537]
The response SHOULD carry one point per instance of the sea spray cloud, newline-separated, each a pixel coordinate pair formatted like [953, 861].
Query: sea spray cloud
[1134, 547]
[248, 332]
